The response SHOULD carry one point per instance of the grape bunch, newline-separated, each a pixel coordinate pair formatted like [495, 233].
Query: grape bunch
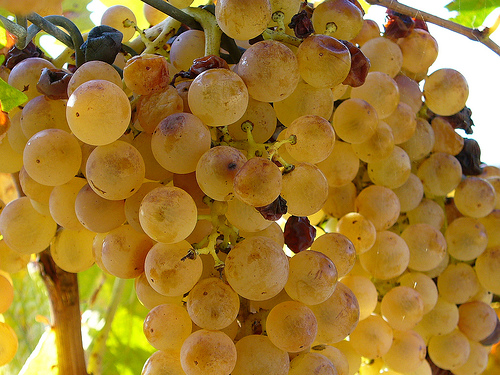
[286, 186]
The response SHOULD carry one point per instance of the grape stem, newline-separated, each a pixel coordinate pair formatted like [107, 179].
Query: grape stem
[174, 12]
[213, 32]
[481, 36]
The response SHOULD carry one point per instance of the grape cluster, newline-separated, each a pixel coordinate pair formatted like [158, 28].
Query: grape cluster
[185, 185]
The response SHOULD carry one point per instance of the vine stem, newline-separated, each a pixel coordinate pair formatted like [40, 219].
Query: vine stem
[473, 34]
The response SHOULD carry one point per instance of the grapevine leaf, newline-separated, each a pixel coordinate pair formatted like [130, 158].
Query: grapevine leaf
[10, 97]
[76, 11]
[472, 13]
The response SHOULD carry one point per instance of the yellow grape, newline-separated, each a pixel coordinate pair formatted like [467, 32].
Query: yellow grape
[339, 249]
[477, 320]
[241, 19]
[8, 343]
[421, 143]
[91, 70]
[422, 284]
[407, 352]
[163, 361]
[345, 17]
[341, 200]
[311, 363]
[149, 297]
[33, 189]
[419, 50]
[410, 194]
[384, 55]
[12, 261]
[372, 337]
[446, 92]
[458, 283]
[409, 92]
[474, 197]
[245, 217]
[365, 292]
[42, 113]
[378, 146]
[402, 307]
[450, 350]
[153, 108]
[336, 356]
[442, 319]
[355, 120]
[146, 74]
[153, 170]
[188, 46]
[72, 249]
[440, 173]
[392, 171]
[446, 139]
[427, 246]
[341, 166]
[6, 293]
[62, 203]
[25, 75]
[115, 16]
[402, 122]
[263, 118]
[477, 361]
[487, 268]
[378, 204]
[428, 212]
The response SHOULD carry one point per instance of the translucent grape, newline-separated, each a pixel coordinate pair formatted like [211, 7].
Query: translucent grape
[446, 139]
[487, 268]
[188, 46]
[311, 363]
[149, 297]
[339, 249]
[428, 212]
[345, 17]
[355, 120]
[115, 16]
[422, 284]
[25, 75]
[392, 171]
[72, 249]
[384, 55]
[365, 292]
[153, 108]
[477, 320]
[146, 74]
[378, 204]
[440, 173]
[243, 20]
[33, 189]
[12, 261]
[92, 70]
[8, 343]
[477, 361]
[450, 350]
[153, 170]
[341, 166]
[407, 352]
[427, 246]
[421, 143]
[263, 118]
[474, 197]
[245, 217]
[402, 122]
[410, 194]
[458, 283]
[163, 361]
[42, 113]
[409, 92]
[442, 319]
[419, 50]
[378, 146]
[402, 307]
[372, 337]
[446, 92]
[340, 200]
[6, 293]
[369, 30]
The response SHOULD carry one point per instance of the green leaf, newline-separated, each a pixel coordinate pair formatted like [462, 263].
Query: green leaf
[76, 11]
[472, 13]
[10, 97]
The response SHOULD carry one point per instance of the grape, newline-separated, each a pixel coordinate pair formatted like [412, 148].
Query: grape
[256, 354]
[477, 320]
[263, 118]
[8, 343]
[6, 293]
[153, 108]
[372, 337]
[341, 166]
[243, 20]
[189, 184]
[353, 358]
[163, 361]
[33, 189]
[427, 246]
[10, 160]
[392, 171]
[187, 47]
[92, 70]
[98, 112]
[41, 113]
[25, 75]
[355, 120]
[378, 204]
[476, 362]
[153, 170]
[458, 283]
[273, 231]
[146, 74]
[341, 200]
[324, 62]
[450, 350]
[378, 146]
[24, 229]
[312, 278]
[258, 182]
[487, 266]
[291, 326]
[270, 71]
[257, 268]
[167, 326]
[410, 194]
[311, 363]
[337, 316]
[216, 169]
[245, 217]
[305, 189]
[339, 359]
[381, 91]
[440, 173]
[339, 249]
[96, 213]
[305, 100]
[422, 284]
[407, 352]
[179, 141]
[419, 50]
[421, 143]
[402, 122]
[387, 258]
[409, 92]
[149, 297]
[166, 270]
[384, 55]
[213, 304]
[402, 307]
[16, 137]
[62, 203]
[428, 212]
[345, 17]
[218, 97]
[490, 223]
[474, 197]
[12, 261]
[441, 320]
[206, 352]
[365, 292]
[72, 249]
[115, 16]
[168, 214]
[369, 30]
[446, 138]
[446, 92]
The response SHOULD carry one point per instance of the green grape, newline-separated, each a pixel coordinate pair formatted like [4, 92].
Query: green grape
[72, 249]
[419, 50]
[387, 258]
[153, 170]
[487, 267]
[378, 204]
[6, 293]
[52, 157]
[291, 326]
[378, 146]
[311, 363]
[92, 70]
[149, 297]
[42, 113]
[372, 337]
[441, 320]
[345, 17]
[410, 194]
[257, 268]
[24, 229]
[427, 246]
[25, 75]
[243, 20]
[355, 120]
[427, 212]
[474, 197]
[392, 171]
[187, 47]
[305, 189]
[98, 112]
[324, 61]
[124, 251]
[422, 284]
[402, 307]
[216, 169]
[312, 277]
[409, 92]
[256, 354]
[385, 55]
[218, 97]
[477, 361]
[245, 217]
[402, 122]
[146, 74]
[115, 16]
[179, 141]
[168, 214]
[477, 320]
[341, 166]
[33, 189]
[269, 69]
[163, 361]
[208, 352]
[339, 249]
[458, 283]
[315, 139]
[440, 174]
[8, 343]
[12, 261]
[258, 182]
[167, 273]
[212, 304]
[365, 292]
[421, 143]
[446, 92]
[407, 352]
[96, 213]
[167, 326]
[10, 160]
[305, 100]
[450, 350]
